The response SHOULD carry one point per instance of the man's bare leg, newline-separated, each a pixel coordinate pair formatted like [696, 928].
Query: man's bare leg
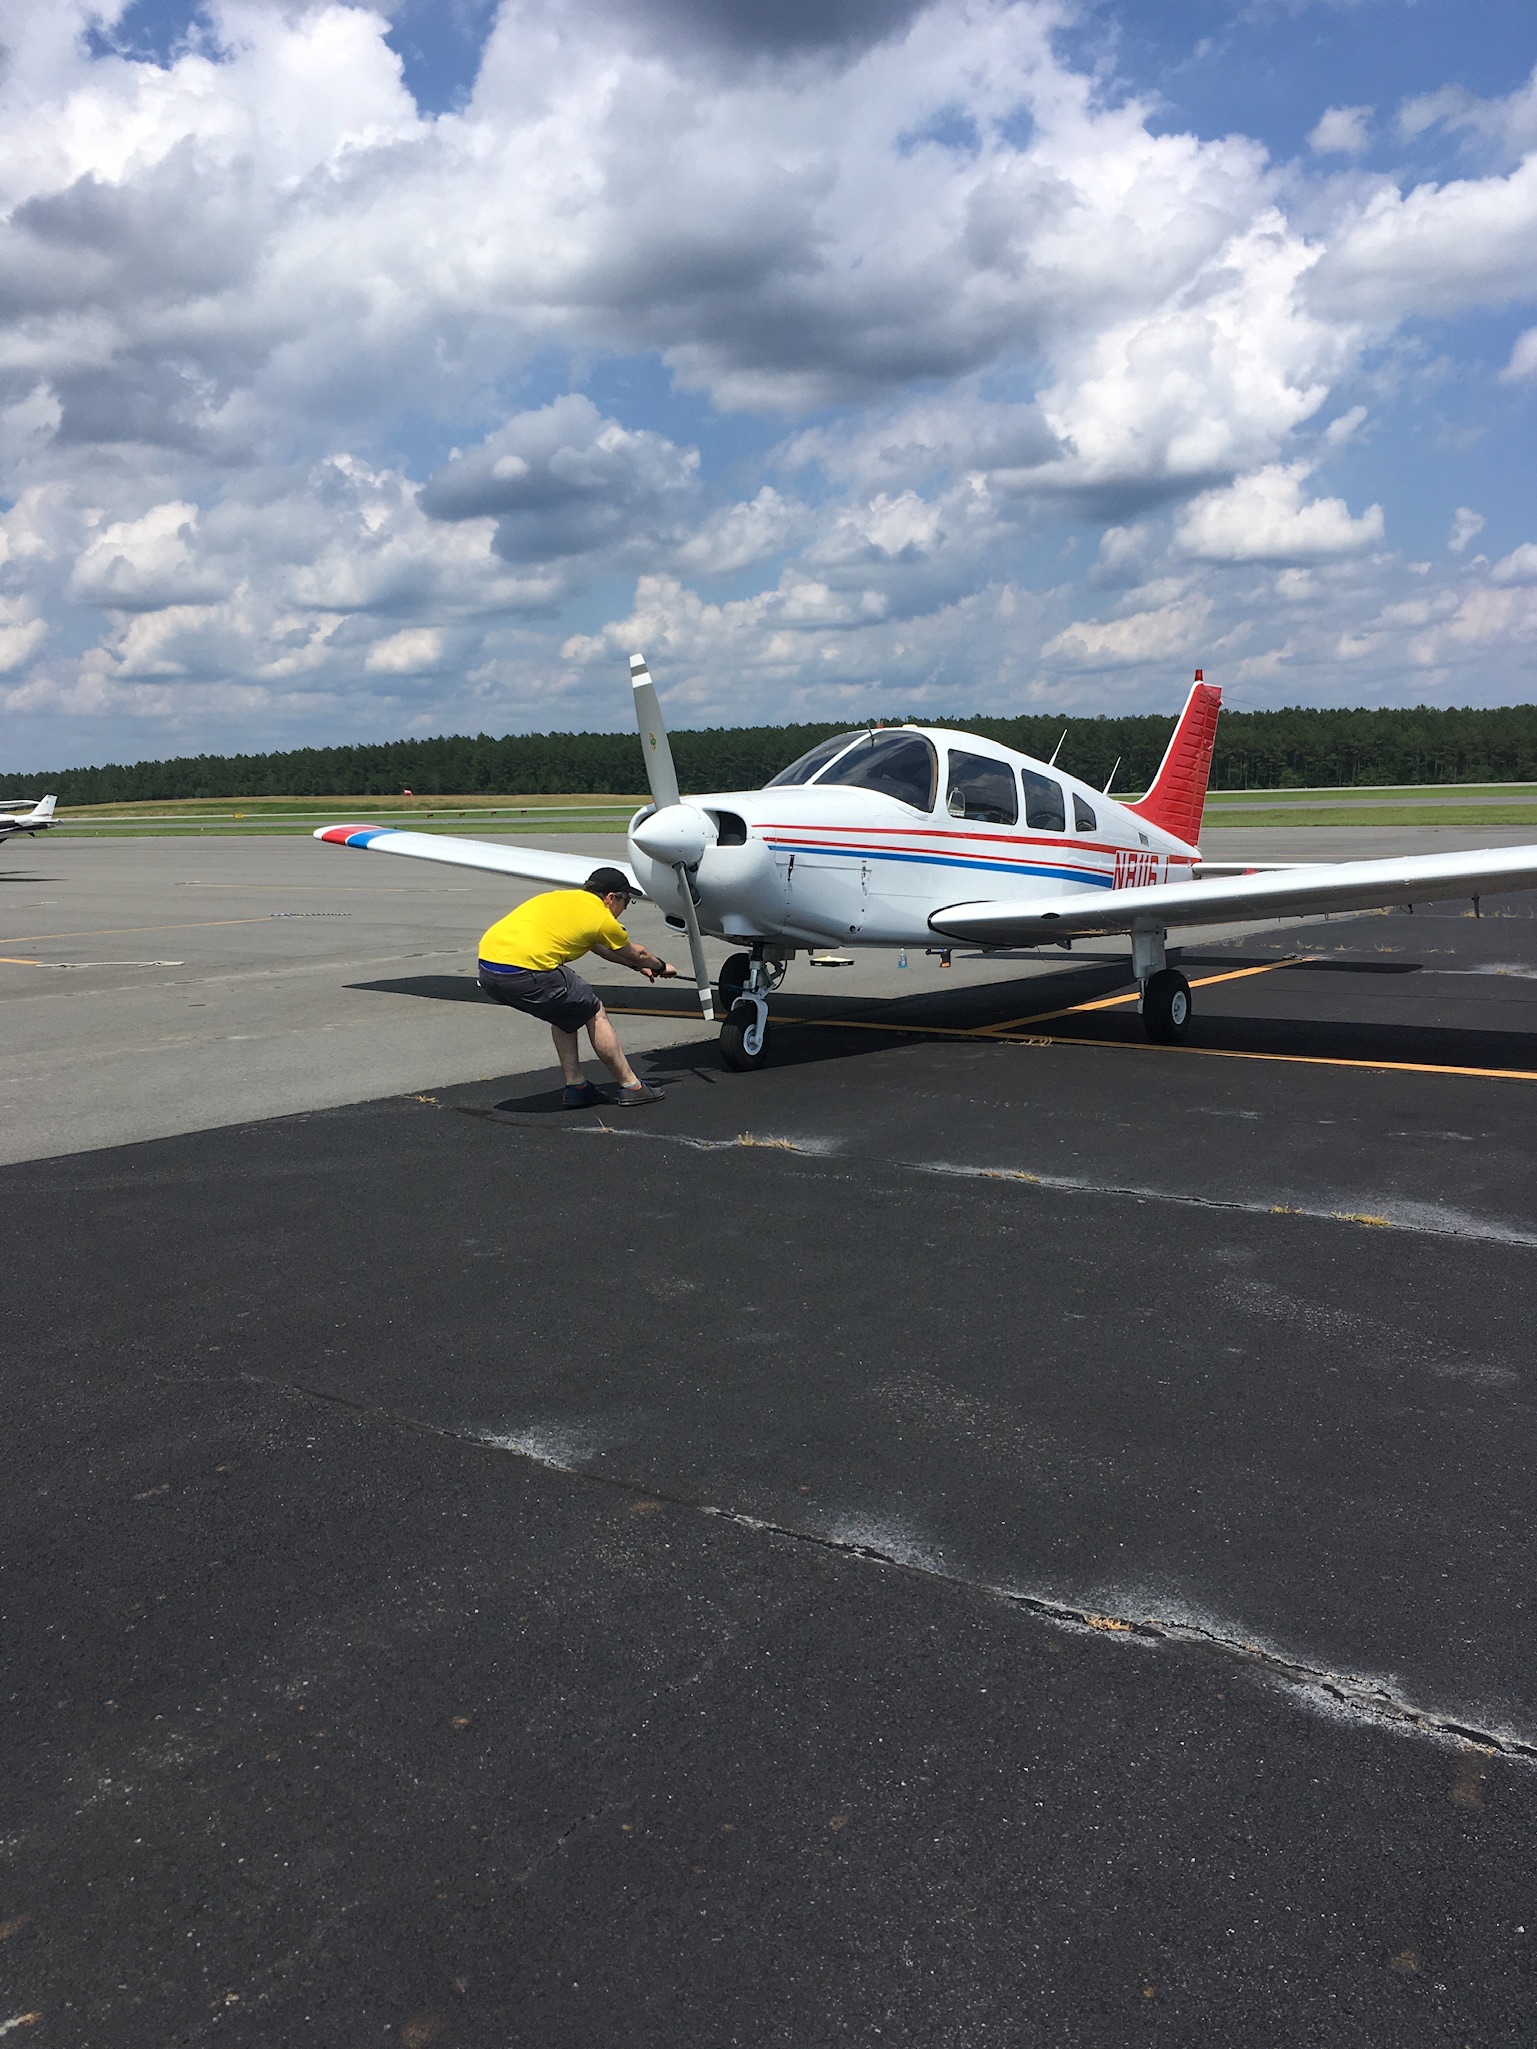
[605, 1043]
[569, 1054]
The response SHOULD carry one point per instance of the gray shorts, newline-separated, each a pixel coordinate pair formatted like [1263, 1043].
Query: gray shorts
[556, 996]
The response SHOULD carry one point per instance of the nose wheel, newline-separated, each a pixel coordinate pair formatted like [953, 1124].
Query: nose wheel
[745, 983]
[744, 1035]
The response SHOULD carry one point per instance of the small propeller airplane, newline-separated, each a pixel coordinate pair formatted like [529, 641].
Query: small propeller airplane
[32, 822]
[904, 835]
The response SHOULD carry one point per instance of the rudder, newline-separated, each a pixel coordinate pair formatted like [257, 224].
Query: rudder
[1177, 797]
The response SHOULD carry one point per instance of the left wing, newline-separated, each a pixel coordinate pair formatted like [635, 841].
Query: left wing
[1301, 892]
[529, 864]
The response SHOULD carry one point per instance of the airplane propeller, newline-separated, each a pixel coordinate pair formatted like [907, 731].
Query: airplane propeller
[675, 832]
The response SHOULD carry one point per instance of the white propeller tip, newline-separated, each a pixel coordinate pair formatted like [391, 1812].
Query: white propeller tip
[637, 665]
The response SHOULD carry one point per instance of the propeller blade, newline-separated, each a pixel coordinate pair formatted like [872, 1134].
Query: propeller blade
[696, 945]
[661, 776]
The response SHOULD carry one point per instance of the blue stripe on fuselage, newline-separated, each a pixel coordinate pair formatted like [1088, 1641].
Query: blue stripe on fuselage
[1091, 878]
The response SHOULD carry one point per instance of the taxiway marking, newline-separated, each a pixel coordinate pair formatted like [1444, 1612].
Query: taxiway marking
[1134, 995]
[113, 931]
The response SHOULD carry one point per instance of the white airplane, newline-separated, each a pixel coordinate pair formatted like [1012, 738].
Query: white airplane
[38, 819]
[899, 836]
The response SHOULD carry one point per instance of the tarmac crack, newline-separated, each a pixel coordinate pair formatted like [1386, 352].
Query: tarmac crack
[1356, 1696]
[1442, 1223]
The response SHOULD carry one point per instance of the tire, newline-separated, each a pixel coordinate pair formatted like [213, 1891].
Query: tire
[1166, 1007]
[733, 1033]
[731, 982]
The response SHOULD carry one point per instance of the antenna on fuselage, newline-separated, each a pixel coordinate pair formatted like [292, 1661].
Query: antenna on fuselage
[1057, 750]
[1109, 779]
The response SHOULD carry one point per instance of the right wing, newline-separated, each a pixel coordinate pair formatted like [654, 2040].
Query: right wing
[1235, 900]
[528, 864]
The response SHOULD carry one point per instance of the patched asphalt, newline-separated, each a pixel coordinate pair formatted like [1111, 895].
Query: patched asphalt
[949, 1539]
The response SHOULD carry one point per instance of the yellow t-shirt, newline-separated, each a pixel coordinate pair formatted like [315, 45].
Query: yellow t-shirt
[551, 929]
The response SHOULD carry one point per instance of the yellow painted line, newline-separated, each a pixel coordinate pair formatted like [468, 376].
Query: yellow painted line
[113, 931]
[1133, 995]
[8, 960]
[1299, 1059]
[990, 1033]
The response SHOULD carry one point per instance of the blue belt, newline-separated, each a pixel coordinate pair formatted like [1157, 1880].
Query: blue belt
[494, 967]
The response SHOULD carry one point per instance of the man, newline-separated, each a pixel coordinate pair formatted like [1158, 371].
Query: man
[525, 961]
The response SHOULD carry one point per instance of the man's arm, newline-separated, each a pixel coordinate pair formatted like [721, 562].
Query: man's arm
[641, 958]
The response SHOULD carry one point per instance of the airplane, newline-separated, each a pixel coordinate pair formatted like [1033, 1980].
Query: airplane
[897, 836]
[32, 822]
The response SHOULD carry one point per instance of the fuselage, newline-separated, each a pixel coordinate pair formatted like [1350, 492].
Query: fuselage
[866, 838]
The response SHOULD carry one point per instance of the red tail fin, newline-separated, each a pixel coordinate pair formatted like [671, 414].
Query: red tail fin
[1178, 795]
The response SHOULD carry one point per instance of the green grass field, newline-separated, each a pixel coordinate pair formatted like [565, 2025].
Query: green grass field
[1469, 805]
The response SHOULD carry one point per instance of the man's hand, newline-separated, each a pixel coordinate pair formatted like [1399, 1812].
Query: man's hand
[664, 971]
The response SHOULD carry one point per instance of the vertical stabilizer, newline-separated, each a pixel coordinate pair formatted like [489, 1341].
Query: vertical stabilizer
[1178, 795]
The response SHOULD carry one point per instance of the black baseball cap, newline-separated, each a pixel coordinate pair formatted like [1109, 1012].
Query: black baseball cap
[610, 882]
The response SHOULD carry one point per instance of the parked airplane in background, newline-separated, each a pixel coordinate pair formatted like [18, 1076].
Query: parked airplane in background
[901, 835]
[32, 822]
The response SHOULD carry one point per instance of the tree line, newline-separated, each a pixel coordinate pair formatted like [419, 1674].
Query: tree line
[1267, 750]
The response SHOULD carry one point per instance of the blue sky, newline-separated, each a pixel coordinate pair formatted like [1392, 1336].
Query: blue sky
[370, 372]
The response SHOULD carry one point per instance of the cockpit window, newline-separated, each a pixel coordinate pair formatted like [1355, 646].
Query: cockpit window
[898, 764]
[805, 768]
[979, 787]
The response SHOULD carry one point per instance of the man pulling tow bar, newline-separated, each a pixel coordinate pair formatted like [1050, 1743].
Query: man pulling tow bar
[525, 961]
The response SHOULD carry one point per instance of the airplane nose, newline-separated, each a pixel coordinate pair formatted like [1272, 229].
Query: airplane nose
[677, 833]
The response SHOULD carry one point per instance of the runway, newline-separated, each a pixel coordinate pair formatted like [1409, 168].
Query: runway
[984, 1531]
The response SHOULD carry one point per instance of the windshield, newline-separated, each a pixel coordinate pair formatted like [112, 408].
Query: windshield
[818, 757]
[898, 764]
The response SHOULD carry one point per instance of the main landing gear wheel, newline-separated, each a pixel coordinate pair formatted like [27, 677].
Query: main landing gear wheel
[1166, 1006]
[731, 982]
[743, 1039]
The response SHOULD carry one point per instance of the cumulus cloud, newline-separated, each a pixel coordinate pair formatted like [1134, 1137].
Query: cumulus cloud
[1519, 566]
[565, 481]
[1342, 131]
[1523, 358]
[1506, 125]
[1153, 635]
[406, 653]
[1264, 517]
[1466, 524]
[888, 309]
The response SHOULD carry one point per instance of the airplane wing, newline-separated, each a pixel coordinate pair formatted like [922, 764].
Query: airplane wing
[1235, 899]
[528, 864]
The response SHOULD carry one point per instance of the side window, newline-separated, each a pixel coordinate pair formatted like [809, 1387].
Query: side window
[981, 788]
[1083, 816]
[1044, 808]
[901, 765]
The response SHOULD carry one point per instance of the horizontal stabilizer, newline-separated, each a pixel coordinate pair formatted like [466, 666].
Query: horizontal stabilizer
[527, 864]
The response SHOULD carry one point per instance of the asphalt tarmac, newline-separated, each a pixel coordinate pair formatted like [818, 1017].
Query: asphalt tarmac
[984, 1531]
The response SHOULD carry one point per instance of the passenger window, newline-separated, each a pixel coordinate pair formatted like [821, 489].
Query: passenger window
[1083, 817]
[902, 765]
[1044, 808]
[981, 788]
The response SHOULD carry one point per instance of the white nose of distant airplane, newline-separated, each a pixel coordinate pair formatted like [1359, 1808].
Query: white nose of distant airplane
[678, 832]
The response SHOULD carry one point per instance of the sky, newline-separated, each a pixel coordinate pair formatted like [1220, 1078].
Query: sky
[368, 372]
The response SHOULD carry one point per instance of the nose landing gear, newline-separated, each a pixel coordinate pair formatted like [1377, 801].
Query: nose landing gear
[744, 984]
